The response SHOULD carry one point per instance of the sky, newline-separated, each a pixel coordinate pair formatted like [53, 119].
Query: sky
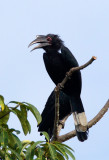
[84, 28]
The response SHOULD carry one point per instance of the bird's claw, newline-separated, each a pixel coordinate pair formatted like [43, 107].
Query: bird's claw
[67, 75]
[60, 86]
[62, 123]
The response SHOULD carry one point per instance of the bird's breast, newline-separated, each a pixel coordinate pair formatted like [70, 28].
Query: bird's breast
[55, 67]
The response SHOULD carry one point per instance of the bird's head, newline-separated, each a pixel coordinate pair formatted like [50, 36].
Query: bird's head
[48, 42]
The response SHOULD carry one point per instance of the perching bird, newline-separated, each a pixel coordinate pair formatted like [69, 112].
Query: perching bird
[57, 65]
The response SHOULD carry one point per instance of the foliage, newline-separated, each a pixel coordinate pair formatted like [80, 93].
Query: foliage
[11, 148]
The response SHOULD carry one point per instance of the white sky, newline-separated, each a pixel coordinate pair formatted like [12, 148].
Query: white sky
[84, 27]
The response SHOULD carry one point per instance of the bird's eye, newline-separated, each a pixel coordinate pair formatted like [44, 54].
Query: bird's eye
[49, 39]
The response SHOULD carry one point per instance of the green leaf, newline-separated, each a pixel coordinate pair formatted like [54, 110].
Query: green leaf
[46, 136]
[5, 137]
[16, 154]
[23, 123]
[39, 152]
[35, 112]
[43, 158]
[30, 150]
[4, 117]
[66, 146]
[56, 142]
[25, 143]
[1, 136]
[44, 146]
[69, 153]
[60, 156]
[61, 150]
[66, 149]
[52, 151]
[16, 102]
[2, 102]
[14, 142]
[11, 141]
[22, 115]
[2, 153]
[23, 112]
[8, 156]
[28, 126]
[14, 130]
[32, 108]
[18, 142]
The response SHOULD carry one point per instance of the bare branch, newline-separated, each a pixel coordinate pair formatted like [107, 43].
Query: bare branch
[56, 122]
[72, 134]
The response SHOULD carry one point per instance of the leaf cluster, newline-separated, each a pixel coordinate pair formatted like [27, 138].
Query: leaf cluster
[11, 148]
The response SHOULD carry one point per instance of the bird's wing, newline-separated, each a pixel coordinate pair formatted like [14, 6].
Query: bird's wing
[68, 57]
[69, 62]
[50, 105]
[48, 114]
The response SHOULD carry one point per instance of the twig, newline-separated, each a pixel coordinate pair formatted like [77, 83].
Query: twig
[72, 134]
[57, 90]
[9, 112]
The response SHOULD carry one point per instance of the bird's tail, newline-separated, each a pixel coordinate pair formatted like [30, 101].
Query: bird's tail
[80, 119]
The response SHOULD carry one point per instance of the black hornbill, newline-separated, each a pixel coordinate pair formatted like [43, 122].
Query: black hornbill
[58, 60]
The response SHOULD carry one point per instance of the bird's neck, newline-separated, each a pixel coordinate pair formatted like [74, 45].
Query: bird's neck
[51, 51]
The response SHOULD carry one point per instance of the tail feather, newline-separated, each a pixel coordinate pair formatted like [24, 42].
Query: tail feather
[82, 136]
[80, 119]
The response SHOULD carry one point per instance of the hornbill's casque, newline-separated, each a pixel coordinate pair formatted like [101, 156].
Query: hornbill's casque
[58, 60]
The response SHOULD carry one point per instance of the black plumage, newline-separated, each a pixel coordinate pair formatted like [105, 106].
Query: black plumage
[48, 114]
[58, 60]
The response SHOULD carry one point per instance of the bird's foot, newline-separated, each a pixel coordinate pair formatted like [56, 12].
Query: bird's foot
[60, 86]
[62, 123]
[68, 76]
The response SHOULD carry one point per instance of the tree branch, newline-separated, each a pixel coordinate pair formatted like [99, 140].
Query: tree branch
[57, 90]
[56, 122]
[72, 134]
[68, 75]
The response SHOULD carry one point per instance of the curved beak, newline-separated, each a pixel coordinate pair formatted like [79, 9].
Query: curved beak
[41, 39]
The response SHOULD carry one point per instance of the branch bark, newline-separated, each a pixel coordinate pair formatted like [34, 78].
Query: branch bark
[56, 122]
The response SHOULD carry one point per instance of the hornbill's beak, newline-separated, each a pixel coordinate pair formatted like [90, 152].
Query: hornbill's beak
[42, 40]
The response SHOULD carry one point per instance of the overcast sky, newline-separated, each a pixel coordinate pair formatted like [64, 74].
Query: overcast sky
[84, 28]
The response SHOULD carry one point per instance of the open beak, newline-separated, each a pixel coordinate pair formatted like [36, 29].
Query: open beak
[41, 39]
